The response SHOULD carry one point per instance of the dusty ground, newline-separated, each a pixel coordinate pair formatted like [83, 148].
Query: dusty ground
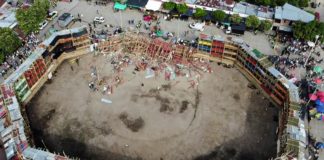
[222, 119]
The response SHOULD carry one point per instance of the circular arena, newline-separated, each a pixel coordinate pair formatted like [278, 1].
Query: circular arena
[132, 97]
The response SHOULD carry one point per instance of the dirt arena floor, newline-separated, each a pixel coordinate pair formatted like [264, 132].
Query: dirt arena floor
[222, 119]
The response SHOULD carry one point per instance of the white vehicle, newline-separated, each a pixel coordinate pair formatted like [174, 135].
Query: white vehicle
[43, 24]
[197, 26]
[99, 19]
[52, 15]
[228, 30]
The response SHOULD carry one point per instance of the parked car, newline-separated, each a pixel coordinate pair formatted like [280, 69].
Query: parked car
[65, 19]
[52, 15]
[99, 20]
[197, 26]
[43, 25]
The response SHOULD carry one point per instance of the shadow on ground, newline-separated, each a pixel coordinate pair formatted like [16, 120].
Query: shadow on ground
[258, 141]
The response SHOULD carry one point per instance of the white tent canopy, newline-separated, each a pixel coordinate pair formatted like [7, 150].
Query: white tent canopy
[153, 5]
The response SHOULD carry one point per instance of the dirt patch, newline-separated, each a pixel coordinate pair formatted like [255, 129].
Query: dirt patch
[236, 97]
[184, 106]
[166, 87]
[132, 124]
[165, 104]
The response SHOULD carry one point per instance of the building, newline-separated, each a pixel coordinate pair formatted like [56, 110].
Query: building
[245, 9]
[287, 14]
[7, 17]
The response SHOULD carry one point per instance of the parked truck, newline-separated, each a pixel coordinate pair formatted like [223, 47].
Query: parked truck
[236, 29]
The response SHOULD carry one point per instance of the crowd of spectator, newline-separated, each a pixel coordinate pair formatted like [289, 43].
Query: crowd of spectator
[12, 61]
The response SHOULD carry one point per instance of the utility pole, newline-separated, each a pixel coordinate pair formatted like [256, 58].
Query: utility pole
[311, 50]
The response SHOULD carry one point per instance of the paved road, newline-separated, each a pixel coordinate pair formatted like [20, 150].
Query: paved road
[89, 11]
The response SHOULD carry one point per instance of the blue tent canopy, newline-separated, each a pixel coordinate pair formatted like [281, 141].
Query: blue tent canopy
[319, 103]
[320, 109]
[319, 145]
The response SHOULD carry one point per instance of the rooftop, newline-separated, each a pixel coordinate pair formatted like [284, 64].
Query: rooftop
[7, 17]
[250, 9]
[290, 12]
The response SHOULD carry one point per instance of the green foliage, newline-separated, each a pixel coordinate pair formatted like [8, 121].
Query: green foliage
[199, 13]
[252, 22]
[29, 19]
[235, 18]
[262, 2]
[219, 15]
[9, 42]
[280, 2]
[293, 2]
[303, 3]
[265, 25]
[308, 31]
[182, 8]
[169, 5]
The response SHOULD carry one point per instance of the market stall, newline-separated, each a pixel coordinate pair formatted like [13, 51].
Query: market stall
[119, 6]
[140, 4]
[153, 5]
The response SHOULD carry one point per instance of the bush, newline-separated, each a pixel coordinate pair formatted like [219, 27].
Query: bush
[169, 5]
[265, 25]
[200, 13]
[219, 15]
[252, 22]
[182, 8]
[235, 18]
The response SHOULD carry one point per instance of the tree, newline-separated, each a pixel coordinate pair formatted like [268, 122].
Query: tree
[265, 25]
[219, 15]
[320, 31]
[235, 18]
[281, 2]
[298, 30]
[266, 2]
[293, 2]
[182, 8]
[29, 19]
[308, 31]
[262, 2]
[303, 3]
[252, 22]
[199, 13]
[9, 42]
[169, 5]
